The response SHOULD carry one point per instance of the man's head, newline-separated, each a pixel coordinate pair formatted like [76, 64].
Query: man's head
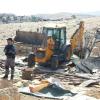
[10, 41]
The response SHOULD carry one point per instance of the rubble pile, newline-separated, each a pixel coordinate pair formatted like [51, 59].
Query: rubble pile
[80, 83]
[80, 79]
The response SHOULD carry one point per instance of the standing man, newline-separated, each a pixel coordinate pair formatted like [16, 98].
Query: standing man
[10, 53]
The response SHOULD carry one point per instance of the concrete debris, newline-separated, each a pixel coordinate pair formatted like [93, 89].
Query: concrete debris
[89, 83]
[87, 65]
[79, 80]
[19, 62]
[22, 83]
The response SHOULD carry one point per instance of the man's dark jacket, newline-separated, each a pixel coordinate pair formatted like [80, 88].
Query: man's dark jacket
[10, 51]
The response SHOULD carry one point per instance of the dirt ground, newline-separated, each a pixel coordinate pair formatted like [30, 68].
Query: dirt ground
[27, 97]
[9, 30]
[94, 93]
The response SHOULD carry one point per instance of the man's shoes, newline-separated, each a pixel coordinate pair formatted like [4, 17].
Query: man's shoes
[5, 77]
[12, 77]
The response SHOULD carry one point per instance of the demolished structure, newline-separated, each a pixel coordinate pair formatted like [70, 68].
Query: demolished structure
[79, 79]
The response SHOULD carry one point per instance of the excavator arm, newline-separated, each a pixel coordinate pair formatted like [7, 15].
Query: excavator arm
[77, 38]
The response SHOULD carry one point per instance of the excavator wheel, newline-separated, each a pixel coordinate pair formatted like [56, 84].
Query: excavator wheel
[54, 62]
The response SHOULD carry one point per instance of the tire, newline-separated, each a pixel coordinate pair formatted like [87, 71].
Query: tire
[31, 60]
[54, 62]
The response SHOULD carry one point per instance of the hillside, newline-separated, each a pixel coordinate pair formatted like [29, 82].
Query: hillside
[11, 18]
[63, 15]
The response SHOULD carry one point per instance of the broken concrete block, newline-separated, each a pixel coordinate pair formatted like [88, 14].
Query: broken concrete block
[89, 82]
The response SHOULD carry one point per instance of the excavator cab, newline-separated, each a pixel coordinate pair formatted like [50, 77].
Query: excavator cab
[58, 34]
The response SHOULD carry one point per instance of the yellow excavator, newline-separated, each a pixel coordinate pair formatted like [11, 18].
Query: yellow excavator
[55, 48]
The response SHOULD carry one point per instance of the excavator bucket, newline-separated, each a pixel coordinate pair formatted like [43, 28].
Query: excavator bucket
[29, 37]
[77, 40]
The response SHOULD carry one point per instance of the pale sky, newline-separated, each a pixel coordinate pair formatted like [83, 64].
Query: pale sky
[30, 7]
